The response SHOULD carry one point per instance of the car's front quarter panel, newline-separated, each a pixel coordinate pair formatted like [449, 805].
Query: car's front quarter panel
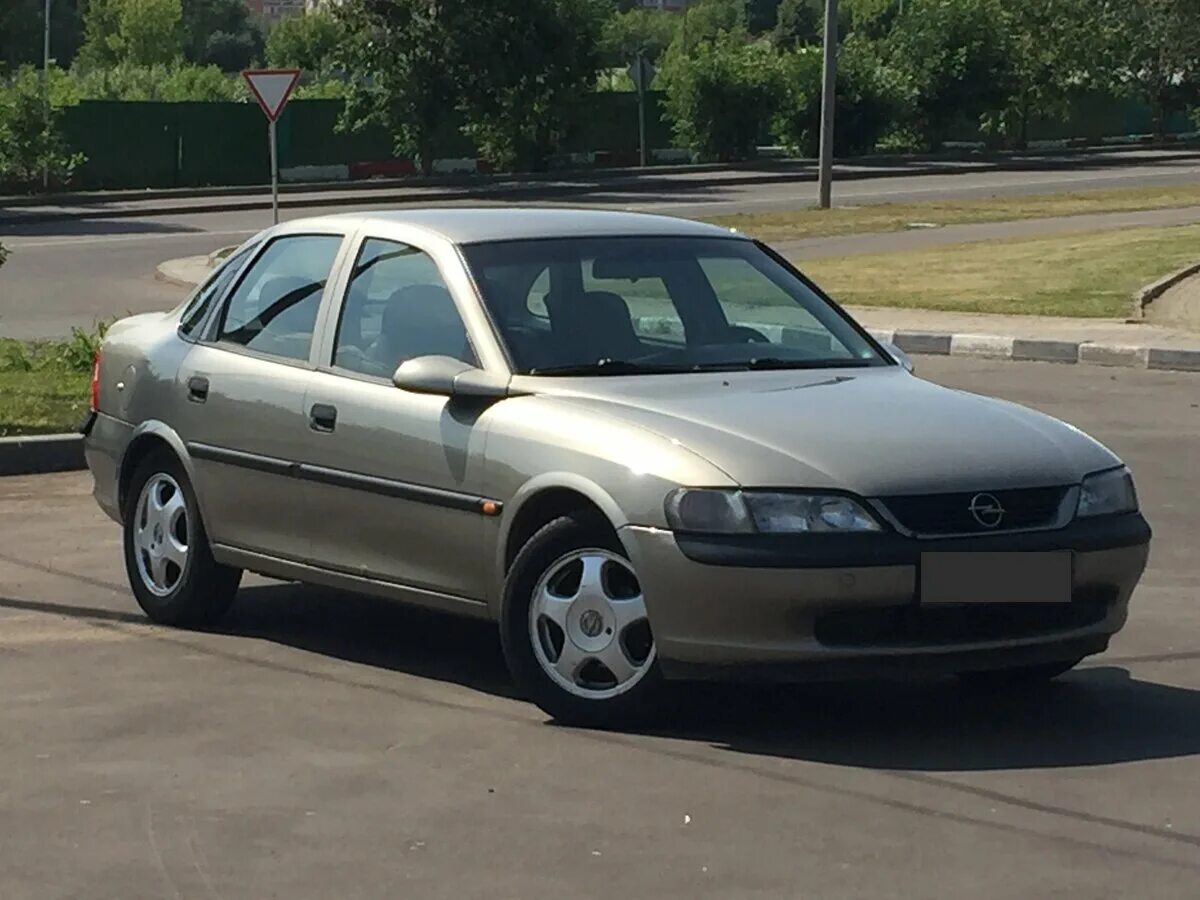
[537, 444]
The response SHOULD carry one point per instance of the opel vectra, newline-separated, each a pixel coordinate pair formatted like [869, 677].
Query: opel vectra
[647, 448]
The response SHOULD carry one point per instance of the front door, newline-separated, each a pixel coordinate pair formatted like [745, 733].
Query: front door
[396, 476]
[242, 393]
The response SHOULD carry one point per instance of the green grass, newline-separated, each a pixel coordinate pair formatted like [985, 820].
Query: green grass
[812, 222]
[44, 384]
[1089, 274]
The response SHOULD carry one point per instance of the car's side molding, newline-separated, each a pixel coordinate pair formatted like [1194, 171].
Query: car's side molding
[373, 484]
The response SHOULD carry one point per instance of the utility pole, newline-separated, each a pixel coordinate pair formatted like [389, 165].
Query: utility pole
[46, 95]
[828, 85]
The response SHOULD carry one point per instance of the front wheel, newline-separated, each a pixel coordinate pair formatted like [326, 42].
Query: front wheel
[574, 627]
[1016, 677]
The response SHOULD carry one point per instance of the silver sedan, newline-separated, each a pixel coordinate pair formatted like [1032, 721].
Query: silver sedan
[647, 448]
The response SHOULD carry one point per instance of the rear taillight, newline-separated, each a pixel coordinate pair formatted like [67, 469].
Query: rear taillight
[95, 405]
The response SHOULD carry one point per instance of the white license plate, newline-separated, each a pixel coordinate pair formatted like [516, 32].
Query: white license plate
[996, 577]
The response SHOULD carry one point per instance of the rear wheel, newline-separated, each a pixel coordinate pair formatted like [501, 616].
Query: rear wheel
[1017, 676]
[167, 557]
[575, 631]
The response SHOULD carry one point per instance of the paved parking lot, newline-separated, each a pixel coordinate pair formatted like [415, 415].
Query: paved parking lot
[326, 746]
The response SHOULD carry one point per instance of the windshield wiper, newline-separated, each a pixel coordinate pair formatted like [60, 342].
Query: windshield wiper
[611, 367]
[775, 362]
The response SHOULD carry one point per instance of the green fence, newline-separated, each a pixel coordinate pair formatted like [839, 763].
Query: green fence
[156, 145]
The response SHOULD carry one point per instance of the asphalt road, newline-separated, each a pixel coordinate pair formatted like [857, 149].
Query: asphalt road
[327, 746]
[70, 273]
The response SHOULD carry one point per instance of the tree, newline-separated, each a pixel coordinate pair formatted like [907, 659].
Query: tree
[1152, 51]
[231, 52]
[150, 31]
[869, 99]
[140, 32]
[704, 20]
[21, 32]
[956, 58]
[799, 22]
[307, 42]
[528, 68]
[720, 94]
[406, 58]
[1049, 48]
[220, 32]
[645, 31]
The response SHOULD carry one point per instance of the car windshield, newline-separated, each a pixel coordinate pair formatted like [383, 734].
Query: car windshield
[619, 306]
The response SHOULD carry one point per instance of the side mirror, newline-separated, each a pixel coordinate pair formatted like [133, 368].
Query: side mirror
[899, 356]
[448, 377]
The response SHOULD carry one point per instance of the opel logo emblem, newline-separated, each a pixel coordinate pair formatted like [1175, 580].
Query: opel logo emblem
[591, 622]
[987, 510]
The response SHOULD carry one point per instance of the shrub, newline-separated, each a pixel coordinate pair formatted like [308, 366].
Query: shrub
[719, 94]
[869, 97]
[31, 144]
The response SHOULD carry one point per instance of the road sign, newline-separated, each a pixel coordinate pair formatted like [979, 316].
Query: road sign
[641, 72]
[271, 88]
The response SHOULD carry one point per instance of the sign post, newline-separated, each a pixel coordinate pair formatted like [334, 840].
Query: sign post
[272, 88]
[641, 73]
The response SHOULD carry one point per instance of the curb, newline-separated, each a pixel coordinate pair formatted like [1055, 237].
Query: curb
[38, 454]
[992, 346]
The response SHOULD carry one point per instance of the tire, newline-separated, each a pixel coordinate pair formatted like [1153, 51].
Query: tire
[167, 556]
[591, 623]
[1017, 676]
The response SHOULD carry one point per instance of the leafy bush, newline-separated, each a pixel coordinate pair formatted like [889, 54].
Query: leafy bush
[955, 56]
[869, 98]
[31, 144]
[720, 92]
[173, 82]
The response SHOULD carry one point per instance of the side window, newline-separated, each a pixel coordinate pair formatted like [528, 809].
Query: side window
[397, 307]
[274, 308]
[212, 289]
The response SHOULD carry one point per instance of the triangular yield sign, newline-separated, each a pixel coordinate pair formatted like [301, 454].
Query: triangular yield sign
[271, 88]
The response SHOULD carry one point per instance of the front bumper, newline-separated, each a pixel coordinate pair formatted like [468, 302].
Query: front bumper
[791, 606]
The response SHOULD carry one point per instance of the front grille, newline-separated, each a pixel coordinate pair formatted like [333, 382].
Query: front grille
[930, 514]
[909, 625]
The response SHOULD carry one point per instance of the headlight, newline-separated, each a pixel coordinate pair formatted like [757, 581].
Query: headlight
[746, 512]
[1107, 493]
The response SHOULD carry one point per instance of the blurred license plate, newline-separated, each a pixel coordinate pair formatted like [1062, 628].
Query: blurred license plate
[996, 577]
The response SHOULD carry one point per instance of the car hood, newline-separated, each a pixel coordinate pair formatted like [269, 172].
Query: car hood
[875, 432]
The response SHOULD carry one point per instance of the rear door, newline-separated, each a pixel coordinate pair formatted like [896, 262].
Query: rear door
[242, 394]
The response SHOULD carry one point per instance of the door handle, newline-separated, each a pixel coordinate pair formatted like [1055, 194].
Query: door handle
[322, 417]
[197, 387]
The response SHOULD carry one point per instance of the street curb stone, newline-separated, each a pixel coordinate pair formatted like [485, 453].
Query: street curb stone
[1037, 350]
[41, 453]
[1113, 355]
[1174, 360]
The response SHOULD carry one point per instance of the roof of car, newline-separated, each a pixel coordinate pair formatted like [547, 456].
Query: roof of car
[473, 225]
